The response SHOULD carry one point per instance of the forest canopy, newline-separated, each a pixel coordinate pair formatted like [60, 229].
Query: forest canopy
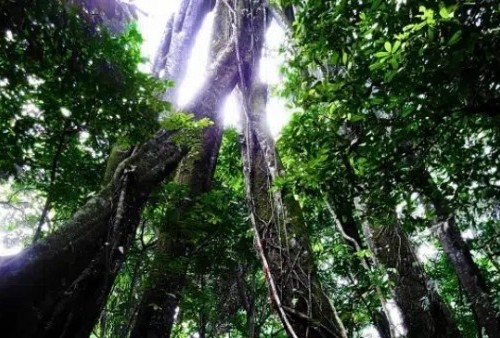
[374, 213]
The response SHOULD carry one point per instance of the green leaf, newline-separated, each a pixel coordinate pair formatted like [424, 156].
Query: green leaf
[356, 117]
[376, 4]
[407, 110]
[455, 38]
[396, 46]
[394, 63]
[381, 54]
[443, 12]
[387, 46]
[344, 58]
[376, 65]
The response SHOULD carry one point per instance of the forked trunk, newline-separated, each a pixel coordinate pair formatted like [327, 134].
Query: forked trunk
[58, 287]
[161, 298]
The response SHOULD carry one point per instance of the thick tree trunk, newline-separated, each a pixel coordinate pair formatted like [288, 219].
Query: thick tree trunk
[57, 287]
[457, 251]
[281, 236]
[424, 313]
[157, 310]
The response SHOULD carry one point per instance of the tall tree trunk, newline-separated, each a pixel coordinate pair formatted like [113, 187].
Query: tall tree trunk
[280, 232]
[160, 300]
[281, 235]
[457, 251]
[58, 286]
[424, 313]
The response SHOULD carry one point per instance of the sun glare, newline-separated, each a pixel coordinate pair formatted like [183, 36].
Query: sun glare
[152, 19]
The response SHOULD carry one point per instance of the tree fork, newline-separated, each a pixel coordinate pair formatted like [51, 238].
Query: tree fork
[58, 286]
[157, 310]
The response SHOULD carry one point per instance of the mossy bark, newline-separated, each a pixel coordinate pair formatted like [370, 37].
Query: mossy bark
[58, 287]
[281, 234]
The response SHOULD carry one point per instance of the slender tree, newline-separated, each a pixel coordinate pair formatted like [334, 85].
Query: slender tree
[342, 212]
[424, 313]
[470, 277]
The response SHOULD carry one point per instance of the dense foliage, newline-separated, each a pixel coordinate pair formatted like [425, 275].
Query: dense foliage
[388, 91]
[396, 126]
[69, 92]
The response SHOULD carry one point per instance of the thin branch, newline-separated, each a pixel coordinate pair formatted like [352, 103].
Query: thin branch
[53, 172]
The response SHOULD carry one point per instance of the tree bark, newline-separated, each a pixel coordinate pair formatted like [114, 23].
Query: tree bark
[342, 213]
[382, 324]
[281, 236]
[160, 300]
[58, 287]
[457, 251]
[424, 313]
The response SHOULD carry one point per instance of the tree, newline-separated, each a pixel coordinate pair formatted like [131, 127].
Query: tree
[364, 76]
[93, 252]
[395, 133]
[160, 299]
